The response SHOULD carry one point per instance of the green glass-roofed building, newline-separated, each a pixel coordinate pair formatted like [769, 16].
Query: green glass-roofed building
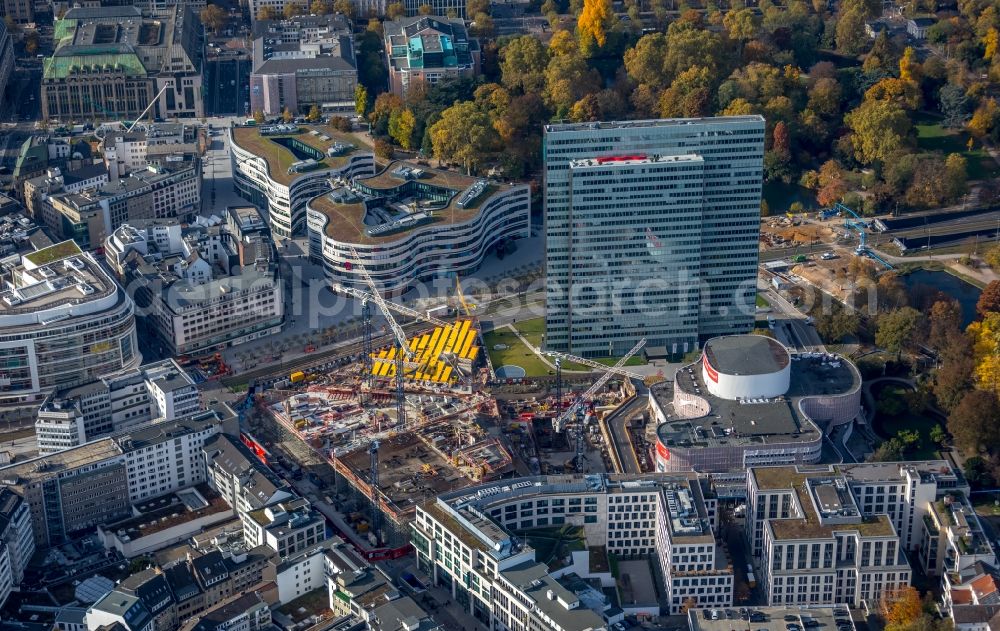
[429, 49]
[111, 63]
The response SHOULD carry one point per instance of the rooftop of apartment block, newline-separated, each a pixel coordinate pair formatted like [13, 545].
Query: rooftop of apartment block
[402, 197]
[293, 150]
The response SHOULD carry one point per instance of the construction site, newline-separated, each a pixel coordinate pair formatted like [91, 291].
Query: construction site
[408, 422]
[448, 441]
[786, 232]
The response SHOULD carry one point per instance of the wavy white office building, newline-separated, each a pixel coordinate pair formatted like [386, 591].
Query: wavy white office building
[281, 167]
[63, 322]
[411, 224]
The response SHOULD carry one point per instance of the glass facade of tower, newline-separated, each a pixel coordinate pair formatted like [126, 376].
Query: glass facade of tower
[660, 241]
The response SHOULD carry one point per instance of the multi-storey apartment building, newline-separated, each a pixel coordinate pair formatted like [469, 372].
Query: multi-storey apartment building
[97, 482]
[121, 611]
[19, 11]
[428, 49]
[954, 543]
[160, 391]
[202, 286]
[153, 591]
[17, 544]
[164, 457]
[669, 245]
[169, 190]
[72, 490]
[271, 512]
[127, 152]
[242, 612]
[303, 62]
[412, 224]
[40, 152]
[281, 167]
[111, 63]
[465, 541]
[903, 491]
[956, 547]
[63, 322]
[55, 181]
[289, 527]
[245, 482]
[696, 570]
[817, 547]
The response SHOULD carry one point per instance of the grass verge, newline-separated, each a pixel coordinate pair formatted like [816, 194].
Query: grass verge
[932, 136]
[505, 348]
[533, 330]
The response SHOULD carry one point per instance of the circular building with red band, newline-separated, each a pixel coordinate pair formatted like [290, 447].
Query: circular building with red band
[746, 367]
[742, 405]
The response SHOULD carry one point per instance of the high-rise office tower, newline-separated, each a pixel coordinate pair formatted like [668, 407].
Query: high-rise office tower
[651, 230]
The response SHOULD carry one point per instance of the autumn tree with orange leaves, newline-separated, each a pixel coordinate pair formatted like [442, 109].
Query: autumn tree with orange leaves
[593, 21]
[901, 607]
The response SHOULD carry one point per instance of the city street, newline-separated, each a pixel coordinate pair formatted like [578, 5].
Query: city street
[618, 422]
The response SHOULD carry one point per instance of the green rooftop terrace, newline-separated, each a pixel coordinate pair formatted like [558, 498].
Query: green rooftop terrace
[53, 253]
[280, 158]
[443, 189]
[98, 59]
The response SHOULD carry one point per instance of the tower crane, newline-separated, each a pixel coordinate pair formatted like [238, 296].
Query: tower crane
[461, 297]
[365, 296]
[402, 345]
[148, 107]
[560, 357]
[574, 409]
[366, 319]
[376, 513]
[590, 362]
[861, 226]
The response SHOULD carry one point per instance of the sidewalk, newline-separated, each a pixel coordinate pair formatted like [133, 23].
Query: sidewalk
[452, 616]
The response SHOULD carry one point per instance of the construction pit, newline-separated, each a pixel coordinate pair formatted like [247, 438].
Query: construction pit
[455, 434]
[538, 449]
[838, 276]
[447, 442]
[782, 232]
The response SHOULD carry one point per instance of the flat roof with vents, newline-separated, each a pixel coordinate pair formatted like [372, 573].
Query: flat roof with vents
[58, 275]
[432, 197]
[746, 355]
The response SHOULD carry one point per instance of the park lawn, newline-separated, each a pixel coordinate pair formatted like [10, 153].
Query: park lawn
[986, 504]
[634, 360]
[533, 330]
[516, 353]
[935, 137]
[762, 302]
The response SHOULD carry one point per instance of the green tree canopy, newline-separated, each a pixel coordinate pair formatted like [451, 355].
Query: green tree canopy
[464, 135]
[895, 330]
[522, 65]
[213, 18]
[880, 129]
[973, 423]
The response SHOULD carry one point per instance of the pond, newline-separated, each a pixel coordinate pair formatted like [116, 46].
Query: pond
[779, 196]
[965, 293]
